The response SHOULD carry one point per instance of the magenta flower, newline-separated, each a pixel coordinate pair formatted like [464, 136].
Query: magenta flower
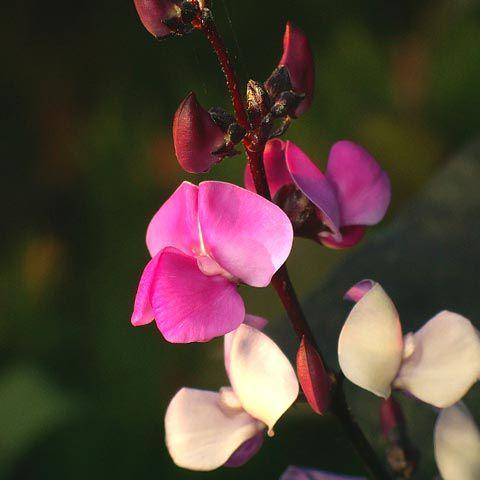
[334, 207]
[154, 13]
[297, 57]
[204, 241]
[206, 430]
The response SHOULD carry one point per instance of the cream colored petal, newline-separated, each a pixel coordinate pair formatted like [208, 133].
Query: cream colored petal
[442, 361]
[261, 375]
[202, 433]
[370, 344]
[457, 444]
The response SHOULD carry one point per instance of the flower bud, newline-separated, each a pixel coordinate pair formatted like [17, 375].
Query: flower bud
[258, 101]
[313, 377]
[154, 14]
[196, 137]
[298, 58]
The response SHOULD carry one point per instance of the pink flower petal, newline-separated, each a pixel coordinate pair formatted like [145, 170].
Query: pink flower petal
[152, 13]
[363, 188]
[357, 292]
[297, 473]
[246, 234]
[275, 167]
[350, 236]
[190, 306]
[142, 310]
[315, 185]
[298, 58]
[195, 136]
[176, 223]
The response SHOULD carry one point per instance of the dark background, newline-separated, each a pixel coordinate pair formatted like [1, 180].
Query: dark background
[87, 100]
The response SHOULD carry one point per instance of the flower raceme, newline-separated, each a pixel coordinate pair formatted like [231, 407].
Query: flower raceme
[206, 430]
[334, 207]
[204, 241]
[437, 364]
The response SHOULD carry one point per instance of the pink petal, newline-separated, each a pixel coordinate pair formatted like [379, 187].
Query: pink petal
[357, 292]
[298, 58]
[195, 136]
[142, 310]
[255, 321]
[190, 306]
[152, 13]
[246, 234]
[176, 223]
[363, 188]
[246, 451]
[315, 185]
[350, 236]
[297, 473]
[275, 167]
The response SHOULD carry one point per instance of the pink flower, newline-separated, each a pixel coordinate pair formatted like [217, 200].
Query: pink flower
[334, 207]
[205, 430]
[297, 473]
[437, 364]
[297, 57]
[204, 241]
[457, 444]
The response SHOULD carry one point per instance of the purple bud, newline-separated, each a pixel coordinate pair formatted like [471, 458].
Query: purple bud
[298, 58]
[196, 136]
[391, 417]
[313, 377]
[153, 14]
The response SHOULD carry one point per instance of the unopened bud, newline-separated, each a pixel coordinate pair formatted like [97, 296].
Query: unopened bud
[258, 101]
[313, 377]
[156, 14]
[278, 82]
[287, 104]
[196, 137]
[298, 59]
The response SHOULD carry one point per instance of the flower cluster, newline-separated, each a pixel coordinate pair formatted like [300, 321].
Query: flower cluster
[207, 240]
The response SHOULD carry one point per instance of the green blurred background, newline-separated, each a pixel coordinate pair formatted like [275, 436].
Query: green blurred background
[87, 157]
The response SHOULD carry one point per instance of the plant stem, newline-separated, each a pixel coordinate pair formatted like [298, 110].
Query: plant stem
[254, 143]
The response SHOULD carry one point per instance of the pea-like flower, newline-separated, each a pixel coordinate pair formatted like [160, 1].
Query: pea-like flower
[457, 444]
[297, 473]
[437, 364]
[205, 241]
[334, 207]
[206, 430]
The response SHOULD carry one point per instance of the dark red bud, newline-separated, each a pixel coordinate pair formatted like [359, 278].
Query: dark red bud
[391, 417]
[298, 58]
[153, 14]
[196, 136]
[313, 377]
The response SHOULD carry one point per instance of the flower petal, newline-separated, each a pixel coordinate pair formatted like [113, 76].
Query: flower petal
[190, 306]
[176, 223]
[443, 360]
[246, 234]
[370, 345]
[142, 310]
[349, 237]
[457, 444]
[358, 291]
[201, 434]
[275, 167]
[261, 375]
[315, 185]
[363, 188]
[246, 451]
[298, 58]
[297, 473]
